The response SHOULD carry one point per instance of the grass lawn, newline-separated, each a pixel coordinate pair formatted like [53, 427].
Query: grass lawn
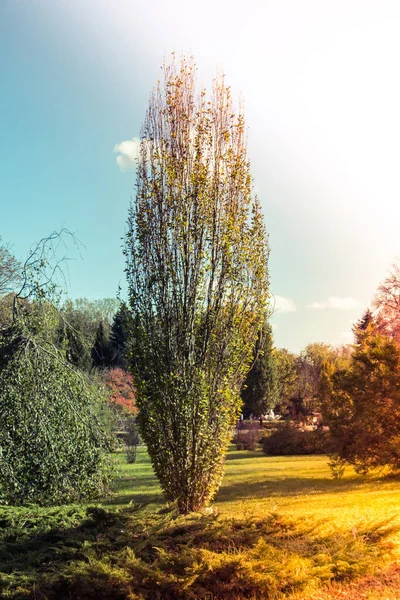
[255, 485]
[281, 527]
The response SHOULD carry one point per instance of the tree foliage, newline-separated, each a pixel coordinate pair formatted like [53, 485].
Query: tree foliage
[260, 388]
[312, 367]
[10, 269]
[122, 389]
[120, 337]
[53, 426]
[54, 423]
[196, 252]
[387, 305]
[285, 362]
[85, 329]
[364, 412]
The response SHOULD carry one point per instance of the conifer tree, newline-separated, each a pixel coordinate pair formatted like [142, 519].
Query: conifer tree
[260, 389]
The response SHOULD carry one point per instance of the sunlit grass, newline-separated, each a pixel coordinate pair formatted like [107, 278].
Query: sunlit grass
[255, 485]
[280, 527]
[303, 486]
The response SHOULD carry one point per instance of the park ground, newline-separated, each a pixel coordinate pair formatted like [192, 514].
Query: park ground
[280, 527]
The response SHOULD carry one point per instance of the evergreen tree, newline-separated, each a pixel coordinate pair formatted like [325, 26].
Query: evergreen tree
[121, 331]
[260, 389]
[101, 350]
[364, 327]
[364, 412]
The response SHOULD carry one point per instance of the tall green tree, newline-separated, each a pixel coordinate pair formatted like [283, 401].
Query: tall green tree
[101, 350]
[285, 362]
[196, 252]
[82, 322]
[260, 389]
[120, 337]
[364, 412]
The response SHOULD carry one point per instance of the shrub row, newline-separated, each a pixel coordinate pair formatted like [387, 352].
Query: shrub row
[289, 441]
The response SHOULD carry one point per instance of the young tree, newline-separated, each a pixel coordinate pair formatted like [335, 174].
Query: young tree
[364, 411]
[196, 252]
[260, 388]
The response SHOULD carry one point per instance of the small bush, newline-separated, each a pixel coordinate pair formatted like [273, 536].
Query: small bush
[132, 439]
[247, 436]
[289, 441]
[122, 390]
[54, 426]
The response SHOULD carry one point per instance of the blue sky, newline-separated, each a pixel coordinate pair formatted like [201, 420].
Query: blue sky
[321, 92]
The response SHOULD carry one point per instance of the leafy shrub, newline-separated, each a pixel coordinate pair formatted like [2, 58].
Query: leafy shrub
[247, 436]
[122, 389]
[289, 441]
[132, 439]
[127, 555]
[54, 428]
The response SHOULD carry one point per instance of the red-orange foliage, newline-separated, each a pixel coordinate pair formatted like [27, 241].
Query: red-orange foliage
[387, 305]
[123, 392]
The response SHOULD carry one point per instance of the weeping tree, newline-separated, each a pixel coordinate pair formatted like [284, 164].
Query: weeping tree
[196, 251]
[54, 424]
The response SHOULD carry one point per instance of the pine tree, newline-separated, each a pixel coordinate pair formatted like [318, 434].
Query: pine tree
[364, 412]
[121, 331]
[101, 350]
[260, 389]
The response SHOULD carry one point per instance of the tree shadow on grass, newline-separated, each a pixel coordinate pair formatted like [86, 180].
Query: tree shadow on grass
[124, 554]
[241, 454]
[289, 486]
[136, 490]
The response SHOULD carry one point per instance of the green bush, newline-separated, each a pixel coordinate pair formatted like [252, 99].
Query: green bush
[132, 439]
[289, 441]
[54, 428]
[131, 555]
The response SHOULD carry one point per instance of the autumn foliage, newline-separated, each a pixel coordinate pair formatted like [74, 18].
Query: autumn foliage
[122, 389]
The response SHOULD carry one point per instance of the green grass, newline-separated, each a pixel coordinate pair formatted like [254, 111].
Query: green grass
[255, 484]
[280, 527]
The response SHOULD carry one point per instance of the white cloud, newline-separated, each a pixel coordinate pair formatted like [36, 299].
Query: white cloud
[336, 303]
[283, 305]
[128, 153]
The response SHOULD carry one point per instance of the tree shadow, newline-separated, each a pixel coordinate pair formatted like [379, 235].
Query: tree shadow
[288, 486]
[136, 490]
[241, 454]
